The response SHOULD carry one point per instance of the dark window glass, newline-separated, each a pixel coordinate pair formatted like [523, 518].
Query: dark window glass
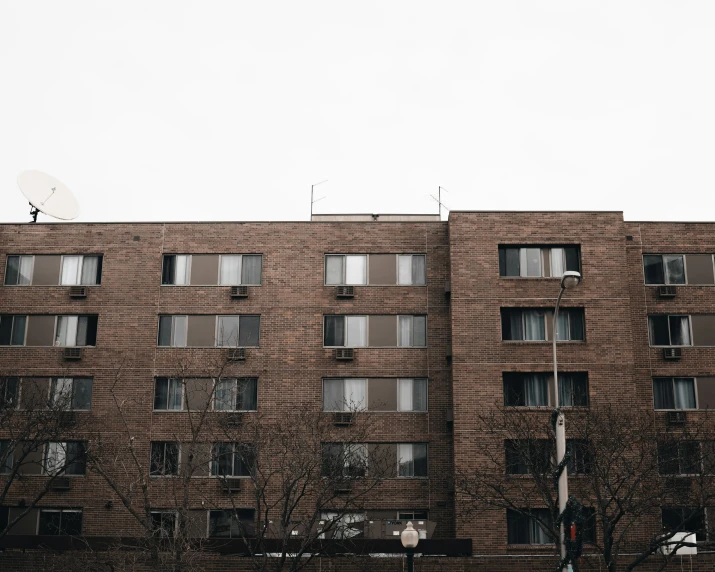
[531, 527]
[419, 331]
[332, 460]
[251, 269]
[419, 455]
[572, 258]
[663, 397]
[167, 270]
[164, 458]
[247, 394]
[512, 328]
[4, 517]
[659, 331]
[163, 524]
[508, 261]
[589, 525]
[236, 523]
[13, 270]
[684, 519]
[580, 460]
[164, 330]
[9, 387]
[674, 269]
[527, 456]
[76, 458]
[573, 389]
[82, 393]
[249, 330]
[5, 329]
[334, 334]
[576, 324]
[18, 331]
[679, 458]
[653, 269]
[161, 393]
[60, 522]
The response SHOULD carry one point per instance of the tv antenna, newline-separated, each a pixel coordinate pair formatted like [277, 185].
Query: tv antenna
[312, 202]
[438, 198]
[47, 195]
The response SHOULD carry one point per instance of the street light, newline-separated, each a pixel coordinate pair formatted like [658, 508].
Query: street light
[570, 280]
[409, 538]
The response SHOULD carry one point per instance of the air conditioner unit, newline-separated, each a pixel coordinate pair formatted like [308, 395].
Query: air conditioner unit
[239, 291]
[343, 418]
[675, 417]
[231, 485]
[670, 546]
[68, 419]
[78, 291]
[672, 354]
[343, 489]
[236, 354]
[344, 354]
[667, 291]
[61, 484]
[72, 353]
[345, 292]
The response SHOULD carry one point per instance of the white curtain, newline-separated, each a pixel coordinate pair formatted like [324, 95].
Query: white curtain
[537, 533]
[404, 269]
[55, 458]
[228, 331]
[357, 331]
[225, 398]
[25, 270]
[66, 335]
[62, 393]
[405, 393]
[356, 270]
[685, 331]
[534, 325]
[355, 394]
[562, 326]
[231, 269]
[334, 269]
[175, 393]
[182, 269]
[178, 331]
[535, 390]
[404, 331]
[71, 270]
[557, 262]
[89, 270]
[405, 460]
[684, 393]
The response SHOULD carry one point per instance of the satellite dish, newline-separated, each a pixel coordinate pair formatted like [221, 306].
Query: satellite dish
[47, 195]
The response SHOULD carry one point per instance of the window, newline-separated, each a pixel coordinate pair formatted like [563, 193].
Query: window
[411, 270]
[676, 519]
[238, 331]
[526, 389]
[679, 458]
[376, 394]
[375, 269]
[232, 523]
[412, 515]
[237, 269]
[60, 522]
[232, 460]
[6, 458]
[71, 393]
[9, 390]
[163, 523]
[412, 459]
[538, 261]
[343, 524]
[581, 457]
[674, 393]
[375, 331]
[527, 324]
[164, 458]
[65, 458]
[573, 389]
[12, 330]
[176, 269]
[669, 330]
[19, 270]
[168, 394]
[236, 394]
[530, 526]
[76, 331]
[172, 331]
[528, 456]
[85, 270]
[344, 460]
[678, 269]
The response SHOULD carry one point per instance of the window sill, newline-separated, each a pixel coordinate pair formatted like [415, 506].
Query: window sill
[228, 411]
[544, 341]
[204, 347]
[374, 411]
[377, 285]
[207, 285]
[375, 347]
[549, 278]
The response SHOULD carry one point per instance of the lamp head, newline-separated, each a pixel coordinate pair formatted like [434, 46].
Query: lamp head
[409, 537]
[570, 280]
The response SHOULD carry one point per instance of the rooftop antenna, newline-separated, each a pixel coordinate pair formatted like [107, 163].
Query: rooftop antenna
[47, 195]
[312, 202]
[438, 198]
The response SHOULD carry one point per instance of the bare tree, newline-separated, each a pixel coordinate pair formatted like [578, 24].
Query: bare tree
[36, 440]
[624, 465]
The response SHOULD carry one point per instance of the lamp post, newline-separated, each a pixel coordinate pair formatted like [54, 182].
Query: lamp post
[570, 280]
[409, 538]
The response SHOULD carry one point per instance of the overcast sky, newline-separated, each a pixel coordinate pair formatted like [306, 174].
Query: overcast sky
[210, 110]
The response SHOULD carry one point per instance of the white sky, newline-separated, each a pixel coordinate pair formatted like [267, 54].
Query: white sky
[210, 110]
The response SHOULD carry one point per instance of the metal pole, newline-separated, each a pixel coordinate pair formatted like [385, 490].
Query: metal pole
[560, 436]
[410, 559]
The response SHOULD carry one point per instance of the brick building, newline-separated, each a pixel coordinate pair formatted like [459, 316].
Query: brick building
[440, 320]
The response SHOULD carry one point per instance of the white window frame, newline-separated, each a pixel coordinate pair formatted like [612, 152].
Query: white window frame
[410, 283]
[411, 458]
[670, 341]
[32, 269]
[234, 380]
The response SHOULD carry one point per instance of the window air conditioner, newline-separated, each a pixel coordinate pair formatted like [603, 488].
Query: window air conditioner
[231, 485]
[72, 353]
[675, 418]
[345, 292]
[61, 484]
[344, 354]
[236, 354]
[78, 291]
[667, 291]
[673, 354]
[343, 418]
[239, 291]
